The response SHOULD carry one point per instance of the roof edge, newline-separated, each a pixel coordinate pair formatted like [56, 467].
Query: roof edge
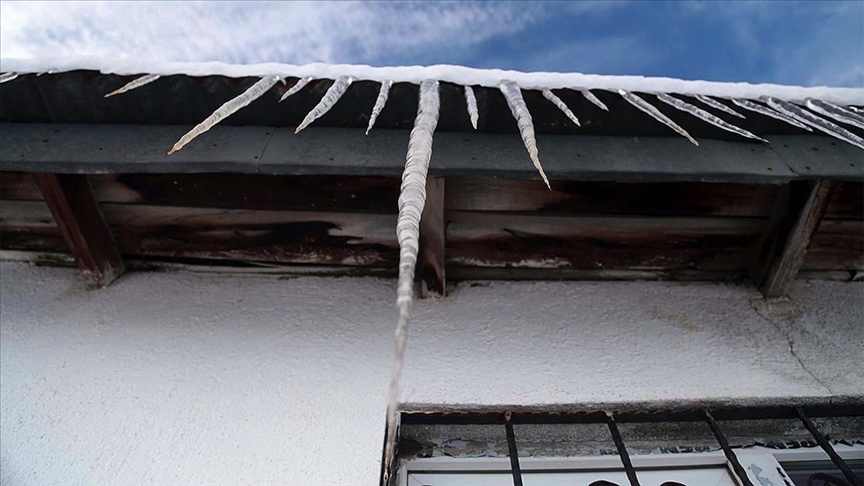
[446, 73]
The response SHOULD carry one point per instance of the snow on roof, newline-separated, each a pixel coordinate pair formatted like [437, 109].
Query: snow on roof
[445, 73]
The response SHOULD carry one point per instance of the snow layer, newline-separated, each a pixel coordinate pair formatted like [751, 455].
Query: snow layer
[173, 378]
[489, 78]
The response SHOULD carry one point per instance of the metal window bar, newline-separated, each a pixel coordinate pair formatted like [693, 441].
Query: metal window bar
[622, 450]
[730, 454]
[826, 446]
[511, 446]
[854, 408]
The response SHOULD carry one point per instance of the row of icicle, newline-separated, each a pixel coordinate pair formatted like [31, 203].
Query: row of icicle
[772, 107]
[412, 196]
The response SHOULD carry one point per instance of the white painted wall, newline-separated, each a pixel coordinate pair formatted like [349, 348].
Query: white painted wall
[173, 378]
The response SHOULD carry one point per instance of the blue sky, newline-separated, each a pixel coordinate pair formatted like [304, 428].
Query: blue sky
[806, 43]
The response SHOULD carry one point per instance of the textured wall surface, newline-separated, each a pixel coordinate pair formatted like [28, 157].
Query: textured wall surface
[177, 378]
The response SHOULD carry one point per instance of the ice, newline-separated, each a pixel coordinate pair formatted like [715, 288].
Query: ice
[513, 94]
[720, 106]
[4, 77]
[654, 112]
[336, 90]
[836, 112]
[254, 92]
[300, 84]
[135, 83]
[593, 99]
[383, 93]
[412, 198]
[707, 117]
[471, 101]
[815, 121]
[549, 95]
[764, 110]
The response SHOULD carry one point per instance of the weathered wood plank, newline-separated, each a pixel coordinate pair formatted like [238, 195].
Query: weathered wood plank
[29, 226]
[431, 258]
[837, 244]
[516, 240]
[76, 211]
[380, 194]
[358, 239]
[797, 215]
[847, 201]
[18, 186]
[251, 191]
[279, 236]
[622, 274]
[683, 198]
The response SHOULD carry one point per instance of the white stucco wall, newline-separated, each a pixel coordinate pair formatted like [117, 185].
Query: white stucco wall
[174, 378]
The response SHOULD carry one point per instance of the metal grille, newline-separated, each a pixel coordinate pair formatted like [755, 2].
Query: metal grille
[713, 417]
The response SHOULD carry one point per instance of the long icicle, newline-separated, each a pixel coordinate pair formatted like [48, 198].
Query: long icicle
[549, 95]
[764, 110]
[593, 99]
[412, 198]
[720, 106]
[655, 113]
[706, 117]
[383, 93]
[254, 92]
[513, 94]
[300, 84]
[336, 90]
[471, 101]
[815, 121]
[135, 83]
[836, 112]
[5, 77]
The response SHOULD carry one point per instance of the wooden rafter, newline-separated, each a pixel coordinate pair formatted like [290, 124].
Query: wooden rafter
[431, 262]
[76, 211]
[798, 212]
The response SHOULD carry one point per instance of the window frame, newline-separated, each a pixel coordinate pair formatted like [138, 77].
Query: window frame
[767, 459]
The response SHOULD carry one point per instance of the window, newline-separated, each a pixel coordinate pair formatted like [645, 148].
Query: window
[764, 446]
[766, 467]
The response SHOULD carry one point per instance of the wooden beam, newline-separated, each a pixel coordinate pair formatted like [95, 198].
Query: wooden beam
[76, 211]
[431, 260]
[797, 214]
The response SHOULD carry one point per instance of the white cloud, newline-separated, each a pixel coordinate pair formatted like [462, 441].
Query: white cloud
[247, 32]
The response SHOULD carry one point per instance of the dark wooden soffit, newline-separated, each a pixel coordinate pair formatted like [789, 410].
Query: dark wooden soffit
[74, 148]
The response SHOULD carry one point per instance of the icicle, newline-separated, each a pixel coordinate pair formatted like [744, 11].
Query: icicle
[654, 112]
[412, 198]
[815, 121]
[720, 106]
[300, 84]
[472, 106]
[513, 94]
[764, 110]
[254, 92]
[336, 90]
[593, 99]
[7, 77]
[857, 110]
[549, 95]
[836, 112]
[706, 117]
[379, 103]
[135, 83]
